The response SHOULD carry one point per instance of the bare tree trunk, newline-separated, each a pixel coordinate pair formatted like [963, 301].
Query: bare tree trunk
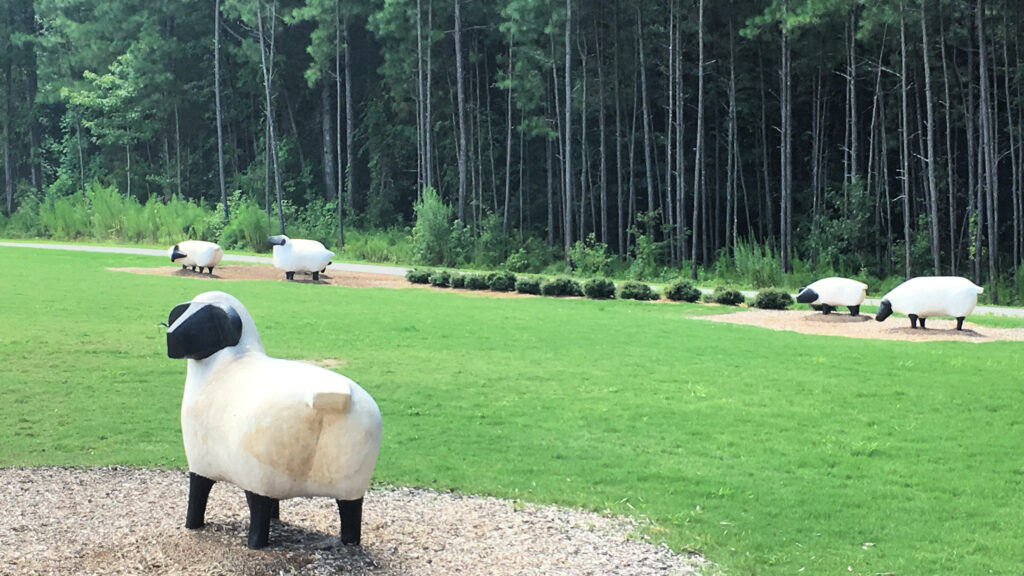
[620, 220]
[220, 131]
[904, 140]
[988, 153]
[428, 120]
[646, 120]
[933, 203]
[350, 124]
[769, 209]
[1015, 176]
[852, 88]
[421, 146]
[567, 214]
[325, 124]
[949, 157]
[669, 109]
[459, 81]
[730, 170]
[337, 124]
[508, 142]
[680, 154]
[585, 191]
[270, 114]
[786, 208]
[973, 169]
[698, 161]
[603, 178]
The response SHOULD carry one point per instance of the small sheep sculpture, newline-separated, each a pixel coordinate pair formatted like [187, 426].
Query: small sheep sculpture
[297, 255]
[927, 296]
[276, 428]
[831, 293]
[196, 253]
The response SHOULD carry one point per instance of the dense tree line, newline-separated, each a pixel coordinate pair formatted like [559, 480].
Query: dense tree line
[851, 134]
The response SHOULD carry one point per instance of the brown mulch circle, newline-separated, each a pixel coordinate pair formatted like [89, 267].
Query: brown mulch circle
[259, 272]
[840, 324]
[131, 521]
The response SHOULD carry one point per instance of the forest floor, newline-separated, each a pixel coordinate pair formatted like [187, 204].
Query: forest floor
[803, 321]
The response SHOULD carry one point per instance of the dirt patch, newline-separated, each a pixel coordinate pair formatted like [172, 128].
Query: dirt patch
[838, 324]
[131, 521]
[257, 272]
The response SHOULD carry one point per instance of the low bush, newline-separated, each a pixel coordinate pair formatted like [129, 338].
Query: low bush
[440, 278]
[727, 296]
[526, 285]
[476, 282]
[418, 276]
[633, 290]
[458, 280]
[773, 299]
[599, 288]
[501, 281]
[561, 286]
[682, 291]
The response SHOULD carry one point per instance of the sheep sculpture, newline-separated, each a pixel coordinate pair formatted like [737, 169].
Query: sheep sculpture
[196, 253]
[927, 296]
[830, 293]
[298, 255]
[276, 428]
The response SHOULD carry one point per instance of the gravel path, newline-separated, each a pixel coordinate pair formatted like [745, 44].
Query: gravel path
[130, 521]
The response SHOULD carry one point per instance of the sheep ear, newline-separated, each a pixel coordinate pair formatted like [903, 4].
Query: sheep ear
[176, 313]
[205, 332]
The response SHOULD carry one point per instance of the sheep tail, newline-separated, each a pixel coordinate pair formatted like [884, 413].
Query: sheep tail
[331, 401]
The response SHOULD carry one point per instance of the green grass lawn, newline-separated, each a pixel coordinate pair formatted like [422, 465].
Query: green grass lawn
[769, 452]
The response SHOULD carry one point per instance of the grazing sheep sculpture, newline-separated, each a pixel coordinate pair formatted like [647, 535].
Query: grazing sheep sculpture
[275, 428]
[196, 253]
[926, 296]
[298, 255]
[834, 292]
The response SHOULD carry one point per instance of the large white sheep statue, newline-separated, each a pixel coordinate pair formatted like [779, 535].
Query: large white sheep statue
[196, 253]
[926, 296]
[831, 293]
[276, 428]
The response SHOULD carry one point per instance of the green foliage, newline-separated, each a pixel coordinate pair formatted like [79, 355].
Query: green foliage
[501, 281]
[432, 234]
[599, 288]
[682, 291]
[248, 229]
[418, 275]
[773, 299]
[518, 261]
[646, 252]
[457, 280]
[633, 290]
[392, 246]
[755, 265]
[727, 296]
[561, 286]
[476, 282]
[528, 285]
[591, 257]
[440, 278]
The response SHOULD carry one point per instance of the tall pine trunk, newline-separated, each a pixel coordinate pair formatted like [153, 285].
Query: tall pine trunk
[933, 191]
[460, 94]
[567, 159]
[698, 158]
[269, 109]
[220, 130]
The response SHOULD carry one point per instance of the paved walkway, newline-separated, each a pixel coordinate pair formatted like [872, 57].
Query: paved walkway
[388, 270]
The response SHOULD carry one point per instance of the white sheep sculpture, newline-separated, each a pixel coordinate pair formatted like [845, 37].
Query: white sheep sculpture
[830, 293]
[196, 253]
[276, 428]
[926, 296]
[298, 255]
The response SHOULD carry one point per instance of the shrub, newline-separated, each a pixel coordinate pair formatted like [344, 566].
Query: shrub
[561, 286]
[458, 280]
[417, 276]
[431, 236]
[501, 281]
[727, 296]
[599, 288]
[773, 299]
[247, 230]
[590, 256]
[682, 291]
[526, 285]
[476, 282]
[633, 290]
[440, 278]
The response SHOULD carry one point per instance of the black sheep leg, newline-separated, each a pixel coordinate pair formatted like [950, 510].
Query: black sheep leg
[211, 270]
[960, 322]
[826, 309]
[922, 322]
[198, 493]
[913, 320]
[351, 512]
[275, 510]
[316, 276]
[260, 508]
[854, 310]
[183, 267]
[289, 275]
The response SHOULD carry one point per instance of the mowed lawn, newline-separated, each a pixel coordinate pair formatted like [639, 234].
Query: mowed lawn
[769, 452]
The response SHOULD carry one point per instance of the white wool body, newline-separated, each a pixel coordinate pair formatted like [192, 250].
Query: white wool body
[837, 291]
[299, 255]
[197, 253]
[279, 428]
[928, 296]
